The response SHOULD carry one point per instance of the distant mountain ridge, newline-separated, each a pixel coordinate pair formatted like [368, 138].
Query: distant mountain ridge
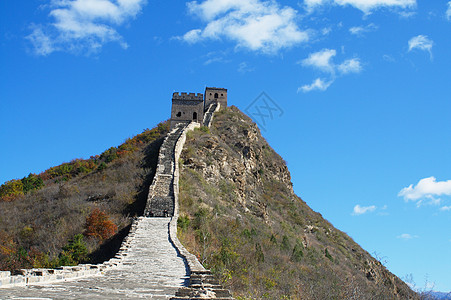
[440, 295]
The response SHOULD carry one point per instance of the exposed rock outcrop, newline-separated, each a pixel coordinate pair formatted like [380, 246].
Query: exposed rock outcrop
[242, 219]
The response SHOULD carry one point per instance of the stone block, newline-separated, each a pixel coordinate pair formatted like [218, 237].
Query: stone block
[18, 280]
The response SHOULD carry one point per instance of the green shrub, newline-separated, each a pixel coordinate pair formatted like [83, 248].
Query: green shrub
[109, 155]
[297, 253]
[259, 256]
[74, 252]
[183, 222]
[204, 129]
[285, 245]
[32, 182]
[327, 254]
[102, 166]
[200, 218]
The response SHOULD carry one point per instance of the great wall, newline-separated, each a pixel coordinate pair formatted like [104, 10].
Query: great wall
[151, 262]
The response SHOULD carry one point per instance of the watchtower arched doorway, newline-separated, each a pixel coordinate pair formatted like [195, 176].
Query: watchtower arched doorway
[216, 95]
[194, 116]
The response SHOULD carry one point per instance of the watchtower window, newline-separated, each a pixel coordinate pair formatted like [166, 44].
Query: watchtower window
[222, 95]
[216, 95]
[179, 114]
[195, 116]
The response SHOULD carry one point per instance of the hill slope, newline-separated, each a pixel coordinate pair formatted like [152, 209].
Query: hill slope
[78, 211]
[240, 216]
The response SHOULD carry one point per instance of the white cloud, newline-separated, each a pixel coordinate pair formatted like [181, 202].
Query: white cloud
[83, 25]
[445, 208]
[360, 210]
[358, 30]
[426, 188]
[361, 30]
[407, 236]
[193, 36]
[366, 6]
[448, 11]
[254, 24]
[350, 66]
[421, 42]
[317, 84]
[323, 61]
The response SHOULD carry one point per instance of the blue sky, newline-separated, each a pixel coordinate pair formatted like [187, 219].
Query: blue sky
[362, 89]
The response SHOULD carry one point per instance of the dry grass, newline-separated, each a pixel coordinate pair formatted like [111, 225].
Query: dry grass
[43, 221]
[243, 221]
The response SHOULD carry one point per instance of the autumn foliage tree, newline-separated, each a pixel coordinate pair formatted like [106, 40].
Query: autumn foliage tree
[99, 226]
[13, 257]
[11, 190]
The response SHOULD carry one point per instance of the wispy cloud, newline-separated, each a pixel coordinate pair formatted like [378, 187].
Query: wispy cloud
[388, 58]
[42, 43]
[216, 57]
[366, 6]
[421, 42]
[317, 84]
[83, 25]
[360, 210]
[361, 30]
[243, 68]
[323, 61]
[448, 11]
[257, 25]
[445, 208]
[407, 236]
[427, 188]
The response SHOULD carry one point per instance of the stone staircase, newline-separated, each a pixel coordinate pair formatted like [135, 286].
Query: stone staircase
[160, 200]
[208, 116]
[202, 285]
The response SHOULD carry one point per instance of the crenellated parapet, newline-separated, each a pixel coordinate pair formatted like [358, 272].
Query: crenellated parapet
[188, 96]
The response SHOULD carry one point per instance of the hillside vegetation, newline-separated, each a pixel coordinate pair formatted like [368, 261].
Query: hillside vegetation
[77, 211]
[241, 218]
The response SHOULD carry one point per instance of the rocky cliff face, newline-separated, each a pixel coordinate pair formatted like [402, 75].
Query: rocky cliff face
[240, 216]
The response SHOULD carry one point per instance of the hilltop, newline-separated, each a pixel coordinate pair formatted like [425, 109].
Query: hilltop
[241, 218]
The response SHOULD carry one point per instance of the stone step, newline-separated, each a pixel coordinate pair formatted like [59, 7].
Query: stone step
[201, 281]
[212, 293]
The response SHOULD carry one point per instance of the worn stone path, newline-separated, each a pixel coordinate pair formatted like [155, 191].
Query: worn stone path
[152, 269]
[160, 201]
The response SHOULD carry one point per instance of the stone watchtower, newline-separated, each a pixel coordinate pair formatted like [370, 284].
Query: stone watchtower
[192, 107]
[187, 108]
[213, 94]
